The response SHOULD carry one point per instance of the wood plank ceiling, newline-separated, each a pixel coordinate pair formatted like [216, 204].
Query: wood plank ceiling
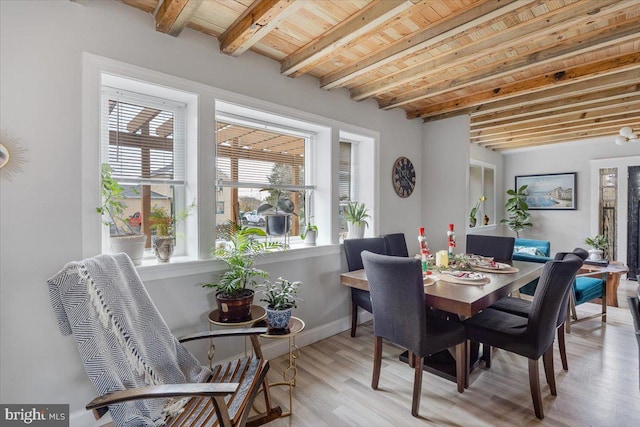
[528, 72]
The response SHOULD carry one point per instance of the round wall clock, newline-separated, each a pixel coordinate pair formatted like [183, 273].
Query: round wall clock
[403, 177]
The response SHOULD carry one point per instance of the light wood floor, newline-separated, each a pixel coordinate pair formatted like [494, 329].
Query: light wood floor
[601, 387]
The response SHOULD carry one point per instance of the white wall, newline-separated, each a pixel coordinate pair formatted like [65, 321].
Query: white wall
[40, 81]
[566, 229]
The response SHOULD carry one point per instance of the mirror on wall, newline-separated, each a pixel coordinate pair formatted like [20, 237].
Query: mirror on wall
[482, 194]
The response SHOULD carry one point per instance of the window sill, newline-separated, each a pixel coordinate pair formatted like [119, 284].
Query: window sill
[481, 228]
[180, 266]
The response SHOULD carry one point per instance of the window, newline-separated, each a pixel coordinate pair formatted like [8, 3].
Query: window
[143, 141]
[263, 165]
[346, 186]
[481, 194]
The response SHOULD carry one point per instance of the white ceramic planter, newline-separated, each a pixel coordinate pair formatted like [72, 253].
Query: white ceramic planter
[595, 254]
[356, 231]
[310, 238]
[131, 245]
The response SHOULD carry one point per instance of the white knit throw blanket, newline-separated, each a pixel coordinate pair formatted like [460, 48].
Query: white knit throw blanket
[122, 339]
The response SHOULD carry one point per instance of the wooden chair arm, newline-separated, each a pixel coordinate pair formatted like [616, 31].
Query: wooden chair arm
[166, 390]
[223, 333]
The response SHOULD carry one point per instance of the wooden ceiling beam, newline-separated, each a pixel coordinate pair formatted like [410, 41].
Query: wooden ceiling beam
[413, 43]
[174, 15]
[558, 128]
[588, 99]
[589, 71]
[534, 142]
[255, 23]
[573, 14]
[373, 15]
[561, 114]
[568, 48]
[141, 119]
[624, 78]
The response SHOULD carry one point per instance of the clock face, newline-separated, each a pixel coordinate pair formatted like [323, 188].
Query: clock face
[403, 177]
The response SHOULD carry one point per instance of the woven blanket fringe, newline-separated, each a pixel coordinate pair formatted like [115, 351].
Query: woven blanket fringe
[107, 319]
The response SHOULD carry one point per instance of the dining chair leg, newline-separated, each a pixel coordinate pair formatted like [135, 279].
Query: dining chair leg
[354, 319]
[461, 365]
[467, 362]
[377, 361]
[534, 384]
[411, 360]
[568, 320]
[547, 361]
[417, 386]
[562, 347]
[486, 355]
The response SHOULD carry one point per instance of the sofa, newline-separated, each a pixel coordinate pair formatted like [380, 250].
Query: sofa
[533, 251]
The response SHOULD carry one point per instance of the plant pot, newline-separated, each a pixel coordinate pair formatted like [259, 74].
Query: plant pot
[235, 309]
[278, 320]
[595, 254]
[310, 238]
[472, 222]
[278, 224]
[131, 245]
[356, 231]
[163, 247]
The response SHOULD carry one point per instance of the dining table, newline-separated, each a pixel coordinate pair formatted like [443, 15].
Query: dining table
[462, 300]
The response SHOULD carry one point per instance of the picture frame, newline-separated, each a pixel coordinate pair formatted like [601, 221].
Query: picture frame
[555, 191]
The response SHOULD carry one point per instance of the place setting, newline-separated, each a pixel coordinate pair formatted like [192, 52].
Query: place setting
[489, 265]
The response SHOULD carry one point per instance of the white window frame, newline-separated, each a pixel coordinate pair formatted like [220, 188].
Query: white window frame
[491, 197]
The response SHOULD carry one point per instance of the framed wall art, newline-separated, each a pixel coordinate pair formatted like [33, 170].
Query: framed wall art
[556, 191]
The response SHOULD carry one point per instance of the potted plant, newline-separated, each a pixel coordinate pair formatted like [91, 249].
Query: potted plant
[280, 297]
[309, 234]
[599, 244]
[165, 225]
[356, 214]
[474, 211]
[278, 216]
[518, 211]
[123, 238]
[234, 295]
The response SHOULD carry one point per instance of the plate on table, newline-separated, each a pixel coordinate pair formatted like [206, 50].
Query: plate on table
[494, 267]
[464, 277]
[428, 280]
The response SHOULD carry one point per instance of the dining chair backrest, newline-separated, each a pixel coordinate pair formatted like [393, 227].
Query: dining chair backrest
[397, 297]
[555, 281]
[395, 244]
[498, 247]
[564, 306]
[353, 248]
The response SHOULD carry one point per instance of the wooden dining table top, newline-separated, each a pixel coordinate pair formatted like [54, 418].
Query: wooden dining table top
[464, 299]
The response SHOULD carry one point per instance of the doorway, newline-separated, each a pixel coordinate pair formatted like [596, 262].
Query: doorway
[633, 220]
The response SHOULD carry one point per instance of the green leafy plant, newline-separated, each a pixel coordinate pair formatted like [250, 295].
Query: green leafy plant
[164, 223]
[474, 210]
[239, 252]
[308, 228]
[518, 210]
[281, 294]
[113, 205]
[356, 213]
[598, 242]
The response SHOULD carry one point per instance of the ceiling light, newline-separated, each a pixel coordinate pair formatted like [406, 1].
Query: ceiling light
[626, 135]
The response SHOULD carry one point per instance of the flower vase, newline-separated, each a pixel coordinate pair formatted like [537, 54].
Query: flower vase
[472, 222]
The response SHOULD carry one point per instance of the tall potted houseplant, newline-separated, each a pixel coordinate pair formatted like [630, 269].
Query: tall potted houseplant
[164, 224]
[598, 245]
[518, 210]
[234, 293]
[356, 215]
[125, 238]
[281, 298]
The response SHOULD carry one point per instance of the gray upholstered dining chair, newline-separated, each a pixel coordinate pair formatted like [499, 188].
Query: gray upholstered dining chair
[522, 307]
[498, 247]
[531, 337]
[395, 244]
[400, 316]
[352, 250]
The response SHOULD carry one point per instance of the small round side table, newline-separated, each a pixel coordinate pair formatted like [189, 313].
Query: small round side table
[257, 313]
[296, 326]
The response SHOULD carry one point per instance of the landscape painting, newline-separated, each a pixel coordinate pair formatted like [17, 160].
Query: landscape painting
[551, 191]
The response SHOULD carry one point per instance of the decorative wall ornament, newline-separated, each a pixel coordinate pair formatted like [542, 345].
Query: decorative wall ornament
[12, 156]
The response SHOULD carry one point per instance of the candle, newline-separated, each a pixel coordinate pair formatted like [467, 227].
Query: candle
[442, 259]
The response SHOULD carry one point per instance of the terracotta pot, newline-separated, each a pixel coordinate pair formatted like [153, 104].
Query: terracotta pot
[236, 309]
